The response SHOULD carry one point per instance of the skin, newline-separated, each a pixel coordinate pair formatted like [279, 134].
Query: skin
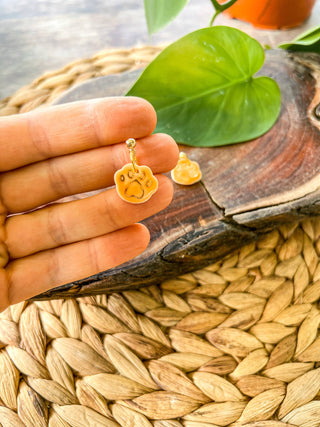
[57, 152]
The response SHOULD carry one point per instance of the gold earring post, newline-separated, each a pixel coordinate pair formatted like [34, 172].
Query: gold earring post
[131, 143]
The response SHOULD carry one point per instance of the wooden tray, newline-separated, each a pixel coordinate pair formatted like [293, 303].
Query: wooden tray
[247, 189]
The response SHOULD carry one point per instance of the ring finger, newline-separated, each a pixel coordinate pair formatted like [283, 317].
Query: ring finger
[65, 223]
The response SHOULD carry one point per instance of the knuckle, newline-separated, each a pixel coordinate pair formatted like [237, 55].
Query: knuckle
[57, 179]
[39, 137]
[56, 227]
[111, 213]
[54, 267]
[93, 256]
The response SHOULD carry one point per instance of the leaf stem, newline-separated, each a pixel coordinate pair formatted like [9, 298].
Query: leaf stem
[217, 12]
[221, 7]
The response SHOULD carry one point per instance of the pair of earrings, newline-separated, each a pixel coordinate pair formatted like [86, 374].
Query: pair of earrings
[136, 184]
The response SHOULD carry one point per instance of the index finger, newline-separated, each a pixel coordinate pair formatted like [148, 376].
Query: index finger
[70, 128]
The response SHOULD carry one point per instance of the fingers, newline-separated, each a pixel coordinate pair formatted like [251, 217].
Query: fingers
[83, 219]
[65, 150]
[37, 273]
[40, 183]
[71, 128]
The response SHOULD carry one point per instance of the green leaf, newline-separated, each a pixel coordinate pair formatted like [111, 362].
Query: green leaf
[306, 42]
[203, 89]
[160, 12]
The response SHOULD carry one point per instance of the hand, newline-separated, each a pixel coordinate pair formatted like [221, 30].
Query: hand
[61, 151]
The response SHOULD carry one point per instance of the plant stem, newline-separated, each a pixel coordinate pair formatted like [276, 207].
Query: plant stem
[221, 7]
[217, 12]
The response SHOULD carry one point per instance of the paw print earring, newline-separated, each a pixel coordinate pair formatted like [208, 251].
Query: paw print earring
[135, 183]
[186, 171]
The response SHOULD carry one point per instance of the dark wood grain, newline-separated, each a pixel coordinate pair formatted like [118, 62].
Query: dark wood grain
[281, 166]
[246, 190]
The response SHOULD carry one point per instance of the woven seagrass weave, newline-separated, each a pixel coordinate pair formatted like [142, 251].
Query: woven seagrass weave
[234, 344]
[49, 86]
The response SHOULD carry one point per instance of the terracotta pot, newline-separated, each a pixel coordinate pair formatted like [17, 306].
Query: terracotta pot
[271, 14]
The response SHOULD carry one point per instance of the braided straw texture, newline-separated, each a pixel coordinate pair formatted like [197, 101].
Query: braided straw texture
[234, 344]
[49, 86]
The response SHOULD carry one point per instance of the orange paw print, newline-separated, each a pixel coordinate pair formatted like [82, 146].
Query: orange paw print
[135, 186]
[186, 171]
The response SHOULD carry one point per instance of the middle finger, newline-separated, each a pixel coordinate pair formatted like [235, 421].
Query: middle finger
[43, 182]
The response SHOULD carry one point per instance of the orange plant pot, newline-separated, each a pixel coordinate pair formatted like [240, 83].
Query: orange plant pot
[271, 14]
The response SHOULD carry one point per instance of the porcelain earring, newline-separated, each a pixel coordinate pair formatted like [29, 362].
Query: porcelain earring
[135, 183]
[186, 172]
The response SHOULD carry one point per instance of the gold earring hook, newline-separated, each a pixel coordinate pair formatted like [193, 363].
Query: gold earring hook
[131, 143]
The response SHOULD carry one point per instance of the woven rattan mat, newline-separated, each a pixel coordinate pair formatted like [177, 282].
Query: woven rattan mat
[49, 86]
[236, 343]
